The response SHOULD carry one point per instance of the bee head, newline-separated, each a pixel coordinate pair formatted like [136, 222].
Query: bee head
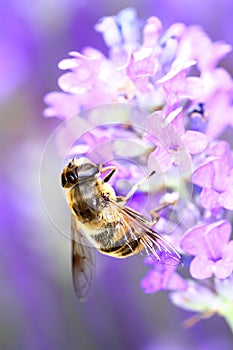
[78, 170]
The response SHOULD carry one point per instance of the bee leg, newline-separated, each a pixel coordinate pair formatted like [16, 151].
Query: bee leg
[154, 215]
[134, 189]
[171, 199]
[108, 177]
[120, 199]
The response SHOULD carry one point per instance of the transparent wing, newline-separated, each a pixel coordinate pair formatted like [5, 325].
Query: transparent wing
[155, 246]
[83, 262]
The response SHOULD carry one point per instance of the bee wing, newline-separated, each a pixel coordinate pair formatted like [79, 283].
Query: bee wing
[155, 246]
[83, 262]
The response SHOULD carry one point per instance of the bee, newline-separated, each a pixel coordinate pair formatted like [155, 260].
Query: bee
[101, 219]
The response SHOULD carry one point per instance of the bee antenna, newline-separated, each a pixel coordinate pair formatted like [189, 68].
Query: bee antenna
[71, 163]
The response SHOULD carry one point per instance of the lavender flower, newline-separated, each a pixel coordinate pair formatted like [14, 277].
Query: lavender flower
[173, 143]
[218, 177]
[162, 277]
[174, 73]
[212, 250]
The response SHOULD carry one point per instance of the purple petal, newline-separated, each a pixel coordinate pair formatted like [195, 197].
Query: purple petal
[61, 105]
[143, 85]
[174, 82]
[110, 31]
[209, 198]
[224, 266]
[160, 160]
[192, 241]
[218, 92]
[152, 282]
[85, 69]
[228, 252]
[219, 104]
[162, 277]
[195, 141]
[152, 32]
[129, 23]
[142, 64]
[217, 83]
[221, 149]
[207, 240]
[218, 51]
[204, 174]
[176, 282]
[177, 30]
[226, 199]
[201, 268]
[221, 166]
[169, 43]
[194, 88]
[164, 132]
[121, 29]
[69, 63]
[218, 234]
[177, 120]
[91, 54]
[223, 269]
[178, 69]
[195, 41]
[77, 83]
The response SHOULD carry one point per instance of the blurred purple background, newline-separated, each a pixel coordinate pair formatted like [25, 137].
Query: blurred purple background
[38, 308]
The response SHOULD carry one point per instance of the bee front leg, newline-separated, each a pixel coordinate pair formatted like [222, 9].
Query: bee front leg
[112, 169]
[135, 187]
[169, 199]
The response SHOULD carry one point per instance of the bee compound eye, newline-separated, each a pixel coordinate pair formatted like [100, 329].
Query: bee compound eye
[70, 177]
[63, 180]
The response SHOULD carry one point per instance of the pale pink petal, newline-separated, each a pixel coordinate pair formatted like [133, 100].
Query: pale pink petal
[174, 82]
[176, 282]
[68, 63]
[226, 199]
[164, 131]
[216, 238]
[178, 66]
[228, 252]
[77, 83]
[195, 141]
[177, 30]
[209, 198]
[152, 31]
[201, 268]
[61, 104]
[223, 269]
[109, 28]
[193, 242]
[194, 88]
[204, 174]
[142, 64]
[195, 42]
[160, 160]
[222, 166]
[152, 282]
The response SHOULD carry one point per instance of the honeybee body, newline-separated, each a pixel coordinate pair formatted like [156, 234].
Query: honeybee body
[99, 220]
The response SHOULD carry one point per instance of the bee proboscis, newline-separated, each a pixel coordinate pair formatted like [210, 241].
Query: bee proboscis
[102, 220]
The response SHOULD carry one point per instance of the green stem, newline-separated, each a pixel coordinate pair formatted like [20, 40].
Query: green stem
[228, 314]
